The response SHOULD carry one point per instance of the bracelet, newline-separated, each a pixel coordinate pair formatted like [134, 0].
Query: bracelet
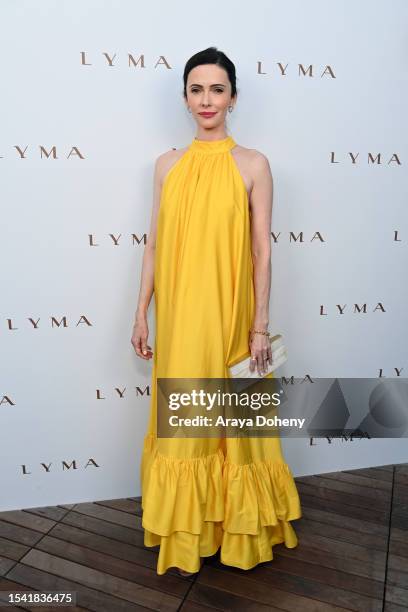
[256, 331]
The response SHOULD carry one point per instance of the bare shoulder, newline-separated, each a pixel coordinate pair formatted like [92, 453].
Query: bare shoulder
[254, 160]
[166, 161]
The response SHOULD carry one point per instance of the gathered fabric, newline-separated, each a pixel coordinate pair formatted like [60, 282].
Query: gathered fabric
[201, 495]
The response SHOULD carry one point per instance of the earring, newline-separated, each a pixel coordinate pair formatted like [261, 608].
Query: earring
[230, 108]
[189, 109]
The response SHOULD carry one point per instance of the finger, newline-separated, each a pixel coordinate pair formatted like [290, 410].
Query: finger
[265, 359]
[260, 363]
[264, 364]
[139, 349]
[143, 344]
[252, 363]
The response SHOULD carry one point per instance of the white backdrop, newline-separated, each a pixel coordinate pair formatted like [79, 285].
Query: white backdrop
[322, 85]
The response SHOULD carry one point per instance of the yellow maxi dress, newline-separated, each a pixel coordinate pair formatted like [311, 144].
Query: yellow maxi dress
[204, 494]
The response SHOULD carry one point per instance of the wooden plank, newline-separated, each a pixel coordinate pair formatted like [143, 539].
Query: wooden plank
[399, 548]
[313, 571]
[397, 595]
[114, 566]
[329, 559]
[400, 522]
[401, 479]
[339, 506]
[367, 494]
[108, 529]
[240, 584]
[125, 505]
[103, 596]
[375, 473]
[21, 535]
[12, 550]
[208, 597]
[123, 550]
[55, 513]
[399, 535]
[389, 607]
[382, 503]
[372, 559]
[356, 525]
[354, 479]
[192, 606]
[109, 514]
[5, 565]
[28, 520]
[344, 534]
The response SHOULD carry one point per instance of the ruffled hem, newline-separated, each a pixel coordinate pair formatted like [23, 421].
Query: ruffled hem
[212, 503]
[193, 490]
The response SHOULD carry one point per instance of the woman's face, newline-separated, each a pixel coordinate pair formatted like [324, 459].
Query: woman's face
[209, 91]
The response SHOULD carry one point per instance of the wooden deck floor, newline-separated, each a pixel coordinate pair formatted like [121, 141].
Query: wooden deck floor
[352, 555]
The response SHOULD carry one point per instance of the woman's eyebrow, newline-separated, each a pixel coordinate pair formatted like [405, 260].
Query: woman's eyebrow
[213, 85]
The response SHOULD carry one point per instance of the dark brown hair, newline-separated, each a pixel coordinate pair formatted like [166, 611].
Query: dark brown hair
[211, 55]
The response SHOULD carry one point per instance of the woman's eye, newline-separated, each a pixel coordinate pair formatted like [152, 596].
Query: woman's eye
[218, 90]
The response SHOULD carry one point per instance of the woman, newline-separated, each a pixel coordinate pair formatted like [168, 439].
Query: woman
[207, 259]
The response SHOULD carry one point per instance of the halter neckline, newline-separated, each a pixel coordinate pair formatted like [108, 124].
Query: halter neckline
[212, 146]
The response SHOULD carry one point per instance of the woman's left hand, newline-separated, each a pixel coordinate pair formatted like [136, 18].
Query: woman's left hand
[261, 353]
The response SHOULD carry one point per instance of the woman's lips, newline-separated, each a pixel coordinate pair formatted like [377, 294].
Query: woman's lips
[207, 114]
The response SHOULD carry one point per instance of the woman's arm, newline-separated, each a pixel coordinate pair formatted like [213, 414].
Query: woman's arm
[261, 217]
[140, 328]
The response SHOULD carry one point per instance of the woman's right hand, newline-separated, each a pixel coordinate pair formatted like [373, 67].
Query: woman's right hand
[139, 339]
